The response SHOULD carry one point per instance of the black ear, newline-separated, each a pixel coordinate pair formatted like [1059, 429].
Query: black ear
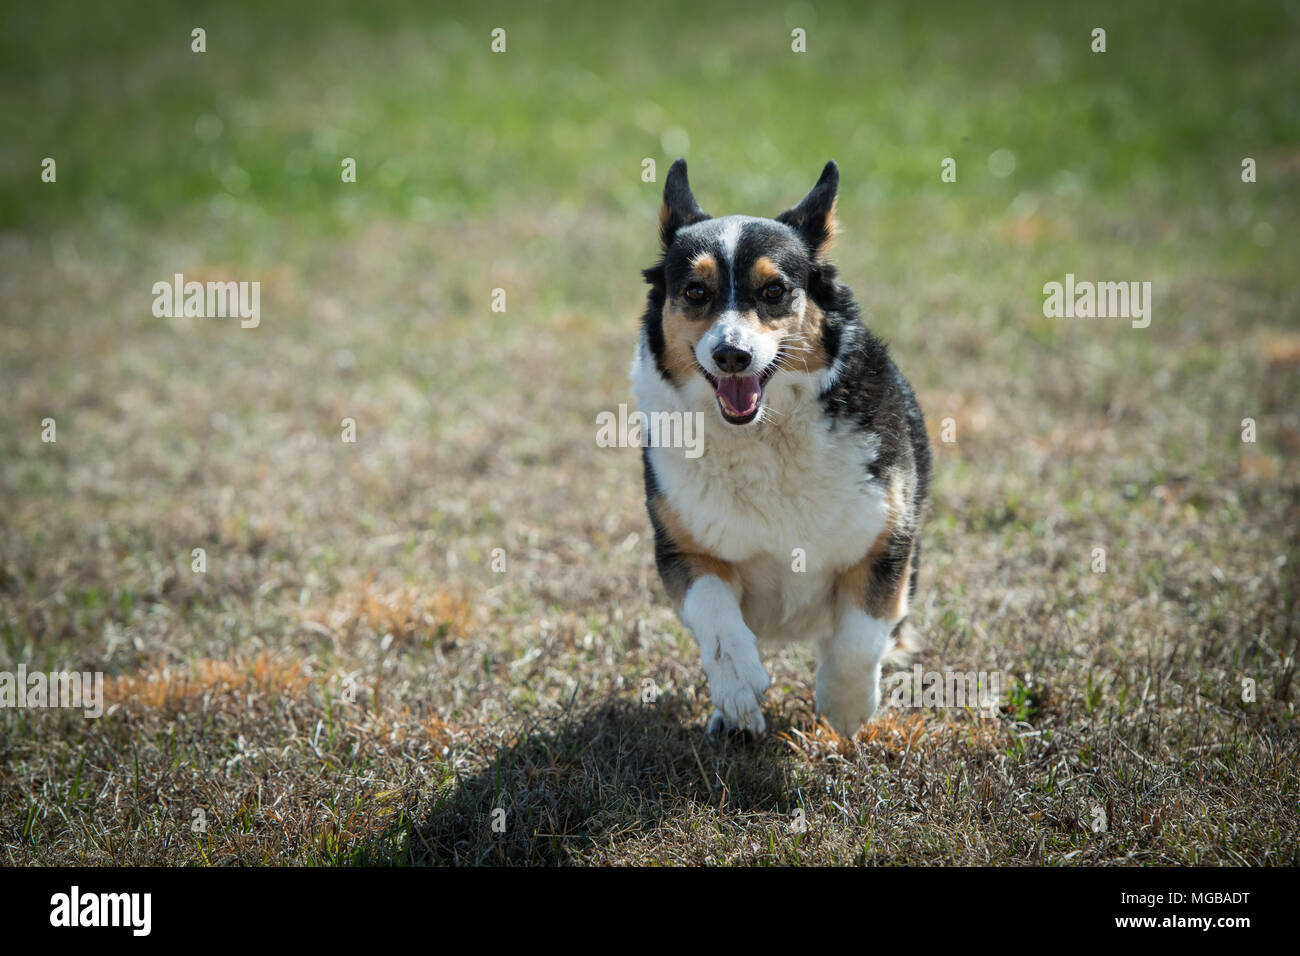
[814, 217]
[679, 208]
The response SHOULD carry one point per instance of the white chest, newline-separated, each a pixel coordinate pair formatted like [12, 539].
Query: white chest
[789, 501]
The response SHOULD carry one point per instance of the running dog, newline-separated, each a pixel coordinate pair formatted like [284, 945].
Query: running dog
[800, 519]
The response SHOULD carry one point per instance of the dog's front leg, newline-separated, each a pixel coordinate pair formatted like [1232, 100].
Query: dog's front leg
[706, 591]
[729, 652]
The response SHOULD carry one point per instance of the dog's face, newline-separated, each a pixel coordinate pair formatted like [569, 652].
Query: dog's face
[737, 304]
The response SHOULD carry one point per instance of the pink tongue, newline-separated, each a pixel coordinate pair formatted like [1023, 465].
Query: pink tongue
[739, 393]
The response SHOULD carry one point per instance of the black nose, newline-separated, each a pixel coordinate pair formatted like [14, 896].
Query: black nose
[731, 359]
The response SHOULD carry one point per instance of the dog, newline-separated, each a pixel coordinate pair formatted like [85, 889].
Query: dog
[800, 520]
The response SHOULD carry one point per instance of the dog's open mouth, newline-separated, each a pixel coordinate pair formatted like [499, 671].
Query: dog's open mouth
[740, 397]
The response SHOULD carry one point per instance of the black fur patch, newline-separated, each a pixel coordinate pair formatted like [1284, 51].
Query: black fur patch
[679, 208]
[813, 218]
[652, 321]
[673, 570]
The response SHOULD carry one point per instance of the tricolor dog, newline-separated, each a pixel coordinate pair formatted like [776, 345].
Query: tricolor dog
[800, 519]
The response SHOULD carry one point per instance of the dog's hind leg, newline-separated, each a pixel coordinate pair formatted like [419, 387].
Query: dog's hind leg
[871, 600]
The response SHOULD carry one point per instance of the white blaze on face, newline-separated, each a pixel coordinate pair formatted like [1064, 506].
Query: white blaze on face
[730, 235]
[731, 329]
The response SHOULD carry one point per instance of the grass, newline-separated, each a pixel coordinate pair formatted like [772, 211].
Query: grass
[351, 682]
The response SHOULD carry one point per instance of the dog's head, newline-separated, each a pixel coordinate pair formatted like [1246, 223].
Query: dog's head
[739, 300]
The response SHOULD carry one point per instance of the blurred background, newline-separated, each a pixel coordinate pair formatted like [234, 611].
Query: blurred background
[522, 171]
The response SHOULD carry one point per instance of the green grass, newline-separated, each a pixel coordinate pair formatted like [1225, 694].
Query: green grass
[333, 565]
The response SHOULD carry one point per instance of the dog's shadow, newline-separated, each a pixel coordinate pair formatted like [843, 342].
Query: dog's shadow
[613, 772]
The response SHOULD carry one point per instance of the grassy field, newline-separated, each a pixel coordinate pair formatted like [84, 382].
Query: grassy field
[350, 680]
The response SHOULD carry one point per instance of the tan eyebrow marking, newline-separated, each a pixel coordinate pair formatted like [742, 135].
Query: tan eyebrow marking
[705, 265]
[764, 271]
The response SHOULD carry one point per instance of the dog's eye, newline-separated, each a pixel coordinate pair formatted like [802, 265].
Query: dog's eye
[695, 292]
[773, 291]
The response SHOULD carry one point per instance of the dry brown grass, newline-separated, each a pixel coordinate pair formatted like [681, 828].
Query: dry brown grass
[403, 613]
[895, 735]
[169, 688]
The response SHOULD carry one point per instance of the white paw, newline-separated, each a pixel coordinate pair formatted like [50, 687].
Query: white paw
[737, 684]
[846, 709]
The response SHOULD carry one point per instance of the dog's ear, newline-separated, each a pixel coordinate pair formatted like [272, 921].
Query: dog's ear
[814, 217]
[679, 208]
